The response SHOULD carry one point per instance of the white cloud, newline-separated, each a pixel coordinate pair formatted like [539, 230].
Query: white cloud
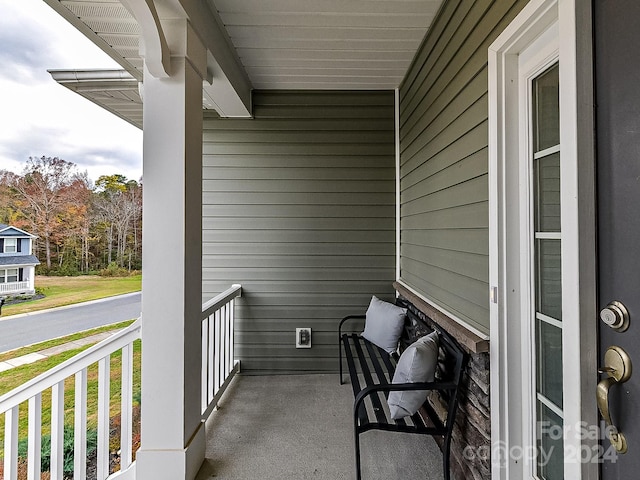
[38, 116]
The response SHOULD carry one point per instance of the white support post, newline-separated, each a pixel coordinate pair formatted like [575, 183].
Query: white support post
[35, 437]
[173, 441]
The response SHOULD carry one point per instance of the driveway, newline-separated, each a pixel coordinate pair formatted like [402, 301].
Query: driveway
[25, 329]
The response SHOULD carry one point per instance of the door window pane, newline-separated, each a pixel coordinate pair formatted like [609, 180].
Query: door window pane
[549, 340]
[550, 464]
[546, 173]
[546, 101]
[549, 278]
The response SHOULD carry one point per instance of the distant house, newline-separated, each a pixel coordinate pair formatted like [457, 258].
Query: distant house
[17, 263]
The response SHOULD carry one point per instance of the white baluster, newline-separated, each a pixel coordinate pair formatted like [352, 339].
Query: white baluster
[57, 430]
[11, 444]
[126, 429]
[80, 427]
[34, 458]
[204, 401]
[210, 362]
[104, 394]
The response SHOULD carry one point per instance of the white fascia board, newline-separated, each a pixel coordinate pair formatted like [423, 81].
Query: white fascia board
[90, 76]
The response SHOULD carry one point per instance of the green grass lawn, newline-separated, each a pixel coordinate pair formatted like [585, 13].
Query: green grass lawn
[60, 291]
[18, 352]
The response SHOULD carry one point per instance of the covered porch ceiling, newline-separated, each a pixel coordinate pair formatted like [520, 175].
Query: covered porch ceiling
[275, 44]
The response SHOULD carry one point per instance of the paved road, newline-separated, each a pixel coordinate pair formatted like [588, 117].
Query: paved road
[20, 330]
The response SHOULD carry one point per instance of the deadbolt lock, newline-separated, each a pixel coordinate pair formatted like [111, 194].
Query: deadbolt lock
[616, 316]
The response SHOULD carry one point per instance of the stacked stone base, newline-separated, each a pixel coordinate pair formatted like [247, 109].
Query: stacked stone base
[471, 443]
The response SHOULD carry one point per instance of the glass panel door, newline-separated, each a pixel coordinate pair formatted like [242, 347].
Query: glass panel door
[546, 269]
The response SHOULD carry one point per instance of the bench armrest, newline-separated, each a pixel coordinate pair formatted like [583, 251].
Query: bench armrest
[389, 387]
[348, 317]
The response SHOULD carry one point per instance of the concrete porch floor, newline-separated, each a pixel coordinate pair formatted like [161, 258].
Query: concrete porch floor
[297, 427]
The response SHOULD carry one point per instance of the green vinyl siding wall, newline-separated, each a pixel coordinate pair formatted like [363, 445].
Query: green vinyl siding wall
[444, 159]
[298, 207]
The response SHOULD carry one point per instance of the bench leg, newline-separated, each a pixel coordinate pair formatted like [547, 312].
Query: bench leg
[340, 358]
[446, 457]
[358, 465]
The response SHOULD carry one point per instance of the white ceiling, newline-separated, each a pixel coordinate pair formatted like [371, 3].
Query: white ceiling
[284, 44]
[326, 44]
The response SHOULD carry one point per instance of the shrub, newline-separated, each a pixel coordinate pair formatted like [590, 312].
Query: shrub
[137, 397]
[67, 446]
[113, 270]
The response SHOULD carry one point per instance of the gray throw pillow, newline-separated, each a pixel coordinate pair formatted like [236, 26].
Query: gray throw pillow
[417, 364]
[384, 323]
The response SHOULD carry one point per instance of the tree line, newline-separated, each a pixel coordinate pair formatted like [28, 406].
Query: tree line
[81, 227]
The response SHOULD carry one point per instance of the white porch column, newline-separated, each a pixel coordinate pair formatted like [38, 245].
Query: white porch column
[172, 435]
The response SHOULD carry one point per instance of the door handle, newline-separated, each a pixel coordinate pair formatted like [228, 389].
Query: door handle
[617, 365]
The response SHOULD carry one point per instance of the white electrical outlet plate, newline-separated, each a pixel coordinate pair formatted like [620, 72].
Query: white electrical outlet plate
[303, 338]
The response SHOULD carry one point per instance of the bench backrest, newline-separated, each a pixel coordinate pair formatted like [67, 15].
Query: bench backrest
[451, 360]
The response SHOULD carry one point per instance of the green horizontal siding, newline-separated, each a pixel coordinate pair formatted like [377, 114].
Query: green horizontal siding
[444, 159]
[299, 207]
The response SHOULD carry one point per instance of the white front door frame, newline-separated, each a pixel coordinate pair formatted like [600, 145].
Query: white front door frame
[509, 367]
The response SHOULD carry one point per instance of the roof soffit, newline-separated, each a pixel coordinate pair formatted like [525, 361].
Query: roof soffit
[275, 44]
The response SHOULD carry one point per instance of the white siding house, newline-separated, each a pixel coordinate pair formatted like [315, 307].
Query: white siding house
[17, 262]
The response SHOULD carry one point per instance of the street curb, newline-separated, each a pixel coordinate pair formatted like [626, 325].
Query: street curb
[64, 307]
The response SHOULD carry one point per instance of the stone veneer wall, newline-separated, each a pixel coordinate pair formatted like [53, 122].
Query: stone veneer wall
[471, 443]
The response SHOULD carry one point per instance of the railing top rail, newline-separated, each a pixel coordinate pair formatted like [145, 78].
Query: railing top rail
[218, 301]
[70, 367]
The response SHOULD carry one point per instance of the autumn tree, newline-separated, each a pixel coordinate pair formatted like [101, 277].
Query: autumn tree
[119, 205]
[46, 189]
[8, 211]
[73, 242]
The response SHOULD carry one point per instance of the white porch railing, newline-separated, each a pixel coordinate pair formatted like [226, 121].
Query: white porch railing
[54, 379]
[218, 363]
[218, 368]
[14, 287]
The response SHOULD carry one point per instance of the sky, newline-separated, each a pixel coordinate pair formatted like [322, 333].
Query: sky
[39, 117]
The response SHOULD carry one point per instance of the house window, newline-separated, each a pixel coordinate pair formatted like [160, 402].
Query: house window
[9, 275]
[10, 245]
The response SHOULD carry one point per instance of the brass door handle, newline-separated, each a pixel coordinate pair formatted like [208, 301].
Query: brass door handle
[617, 365]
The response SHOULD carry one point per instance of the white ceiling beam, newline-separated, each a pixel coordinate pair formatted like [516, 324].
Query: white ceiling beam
[230, 90]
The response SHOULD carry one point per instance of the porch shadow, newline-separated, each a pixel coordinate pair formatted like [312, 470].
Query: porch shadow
[296, 427]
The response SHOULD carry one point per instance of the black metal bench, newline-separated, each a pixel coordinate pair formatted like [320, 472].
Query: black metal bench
[371, 371]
